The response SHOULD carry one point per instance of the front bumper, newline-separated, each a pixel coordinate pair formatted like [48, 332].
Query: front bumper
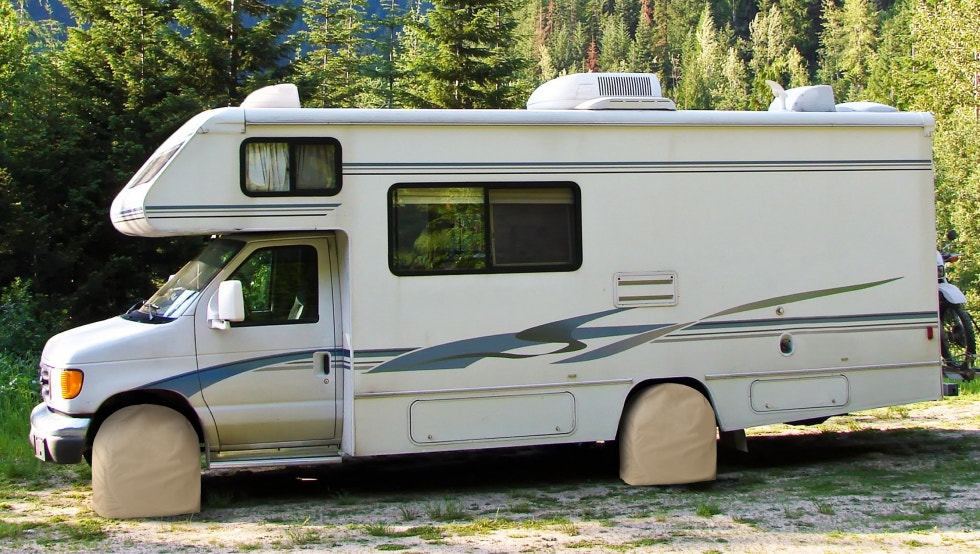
[56, 437]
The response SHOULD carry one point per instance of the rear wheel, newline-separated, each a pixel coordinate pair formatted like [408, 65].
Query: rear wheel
[959, 343]
[667, 436]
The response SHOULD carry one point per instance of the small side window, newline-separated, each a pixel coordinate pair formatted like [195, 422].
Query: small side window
[294, 167]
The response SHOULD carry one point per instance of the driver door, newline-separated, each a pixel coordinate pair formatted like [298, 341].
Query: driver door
[271, 380]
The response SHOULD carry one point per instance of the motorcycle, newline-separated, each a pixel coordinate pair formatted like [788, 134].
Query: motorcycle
[957, 334]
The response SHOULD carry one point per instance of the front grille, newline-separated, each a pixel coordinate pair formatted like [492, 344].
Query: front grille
[625, 85]
[44, 380]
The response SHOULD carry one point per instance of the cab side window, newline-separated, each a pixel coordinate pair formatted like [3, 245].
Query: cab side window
[279, 285]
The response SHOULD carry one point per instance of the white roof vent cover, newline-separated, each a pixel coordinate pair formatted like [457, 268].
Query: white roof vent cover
[284, 95]
[597, 91]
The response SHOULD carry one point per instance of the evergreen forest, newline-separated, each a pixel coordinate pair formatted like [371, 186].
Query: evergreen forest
[85, 101]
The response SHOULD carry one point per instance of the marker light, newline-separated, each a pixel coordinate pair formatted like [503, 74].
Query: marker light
[71, 383]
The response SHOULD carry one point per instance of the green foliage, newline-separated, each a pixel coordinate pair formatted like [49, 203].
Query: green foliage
[25, 321]
[462, 57]
[773, 58]
[946, 44]
[18, 395]
[334, 67]
[848, 47]
[224, 50]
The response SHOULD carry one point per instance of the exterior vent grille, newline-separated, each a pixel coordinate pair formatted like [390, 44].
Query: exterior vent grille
[625, 85]
[652, 288]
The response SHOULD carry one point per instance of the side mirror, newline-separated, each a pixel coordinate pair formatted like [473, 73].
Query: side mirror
[227, 305]
[951, 235]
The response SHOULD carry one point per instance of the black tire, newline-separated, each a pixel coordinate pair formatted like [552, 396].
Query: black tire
[959, 342]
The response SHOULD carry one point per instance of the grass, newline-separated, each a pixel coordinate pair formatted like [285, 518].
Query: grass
[18, 396]
[446, 511]
[970, 387]
[424, 532]
[707, 510]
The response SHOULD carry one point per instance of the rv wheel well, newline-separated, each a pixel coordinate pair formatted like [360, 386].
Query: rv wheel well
[167, 399]
[644, 385]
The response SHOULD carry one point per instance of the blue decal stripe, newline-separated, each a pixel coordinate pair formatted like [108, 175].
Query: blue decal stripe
[819, 322]
[568, 335]
[238, 210]
[192, 382]
[719, 166]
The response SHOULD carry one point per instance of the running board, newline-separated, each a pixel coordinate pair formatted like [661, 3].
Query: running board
[273, 458]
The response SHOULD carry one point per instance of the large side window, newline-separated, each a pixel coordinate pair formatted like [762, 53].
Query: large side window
[483, 228]
[295, 167]
[279, 285]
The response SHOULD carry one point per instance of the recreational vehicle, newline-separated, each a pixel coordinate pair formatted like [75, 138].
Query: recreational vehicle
[599, 266]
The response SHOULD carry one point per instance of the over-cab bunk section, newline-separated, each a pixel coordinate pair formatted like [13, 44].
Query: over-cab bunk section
[270, 165]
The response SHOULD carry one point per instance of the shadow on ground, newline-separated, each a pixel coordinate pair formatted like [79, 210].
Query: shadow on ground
[572, 466]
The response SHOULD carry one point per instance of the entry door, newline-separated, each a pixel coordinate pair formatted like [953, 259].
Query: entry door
[270, 381]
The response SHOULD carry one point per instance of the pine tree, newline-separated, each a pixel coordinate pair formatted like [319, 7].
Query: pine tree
[701, 68]
[334, 62]
[384, 70]
[896, 74]
[676, 19]
[108, 99]
[227, 48]
[615, 44]
[801, 18]
[592, 58]
[643, 56]
[732, 90]
[468, 62]
[773, 58]
[848, 47]
[22, 157]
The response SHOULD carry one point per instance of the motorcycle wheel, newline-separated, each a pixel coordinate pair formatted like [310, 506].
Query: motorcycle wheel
[959, 343]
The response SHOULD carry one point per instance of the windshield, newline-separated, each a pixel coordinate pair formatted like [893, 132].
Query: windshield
[182, 289]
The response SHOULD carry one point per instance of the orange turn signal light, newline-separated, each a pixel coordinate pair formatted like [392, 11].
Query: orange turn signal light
[71, 383]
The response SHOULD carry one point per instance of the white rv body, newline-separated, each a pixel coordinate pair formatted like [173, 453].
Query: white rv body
[777, 262]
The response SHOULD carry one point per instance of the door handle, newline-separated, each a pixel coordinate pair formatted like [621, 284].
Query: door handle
[321, 363]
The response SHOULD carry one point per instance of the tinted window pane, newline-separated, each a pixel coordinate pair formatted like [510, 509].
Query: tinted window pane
[477, 229]
[314, 166]
[279, 285]
[532, 234]
[439, 229]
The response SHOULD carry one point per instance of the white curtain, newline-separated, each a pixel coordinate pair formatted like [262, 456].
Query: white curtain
[267, 168]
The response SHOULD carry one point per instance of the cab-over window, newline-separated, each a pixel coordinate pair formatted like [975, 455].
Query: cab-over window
[293, 167]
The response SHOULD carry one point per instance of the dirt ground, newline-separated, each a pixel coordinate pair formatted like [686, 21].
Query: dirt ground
[893, 480]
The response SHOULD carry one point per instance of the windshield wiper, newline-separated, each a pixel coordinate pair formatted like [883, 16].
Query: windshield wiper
[149, 312]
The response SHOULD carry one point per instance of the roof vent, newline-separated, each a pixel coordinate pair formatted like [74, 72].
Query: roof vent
[601, 91]
[275, 96]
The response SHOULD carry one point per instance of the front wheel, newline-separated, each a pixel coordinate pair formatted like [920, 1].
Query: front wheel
[959, 343]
